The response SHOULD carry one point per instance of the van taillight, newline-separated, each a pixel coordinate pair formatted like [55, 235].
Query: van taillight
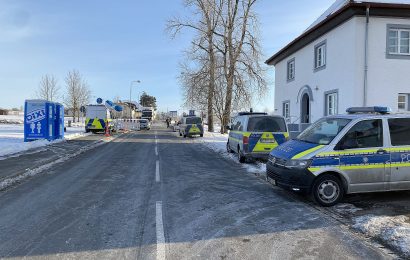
[245, 140]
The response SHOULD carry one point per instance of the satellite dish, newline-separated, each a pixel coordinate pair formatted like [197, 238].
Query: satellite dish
[99, 100]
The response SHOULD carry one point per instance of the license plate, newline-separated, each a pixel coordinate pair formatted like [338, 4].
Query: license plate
[267, 141]
[271, 181]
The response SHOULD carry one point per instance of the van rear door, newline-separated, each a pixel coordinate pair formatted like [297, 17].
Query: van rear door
[267, 132]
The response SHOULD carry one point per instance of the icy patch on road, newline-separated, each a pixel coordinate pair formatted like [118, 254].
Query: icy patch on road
[346, 208]
[217, 142]
[394, 231]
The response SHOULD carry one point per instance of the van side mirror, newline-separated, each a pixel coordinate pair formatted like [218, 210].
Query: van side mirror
[228, 127]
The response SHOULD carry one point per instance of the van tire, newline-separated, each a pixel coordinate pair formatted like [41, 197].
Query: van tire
[241, 158]
[201, 135]
[228, 147]
[327, 190]
[184, 136]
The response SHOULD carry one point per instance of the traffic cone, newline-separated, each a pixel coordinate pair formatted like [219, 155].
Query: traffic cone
[107, 131]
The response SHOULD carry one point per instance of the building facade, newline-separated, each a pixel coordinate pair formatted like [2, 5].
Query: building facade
[356, 54]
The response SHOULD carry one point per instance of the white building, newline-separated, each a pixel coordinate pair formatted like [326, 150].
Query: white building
[356, 54]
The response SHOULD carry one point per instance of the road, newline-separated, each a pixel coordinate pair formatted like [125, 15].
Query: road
[153, 195]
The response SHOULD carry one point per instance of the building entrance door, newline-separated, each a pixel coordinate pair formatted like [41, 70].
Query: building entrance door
[305, 109]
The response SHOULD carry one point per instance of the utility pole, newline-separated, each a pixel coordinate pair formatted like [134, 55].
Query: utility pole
[131, 85]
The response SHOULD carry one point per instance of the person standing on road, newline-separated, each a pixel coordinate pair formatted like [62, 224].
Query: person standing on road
[167, 120]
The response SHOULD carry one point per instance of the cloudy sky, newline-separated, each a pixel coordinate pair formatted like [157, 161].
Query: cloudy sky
[115, 42]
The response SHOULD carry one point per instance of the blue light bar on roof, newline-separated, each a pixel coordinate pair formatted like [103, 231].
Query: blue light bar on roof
[380, 110]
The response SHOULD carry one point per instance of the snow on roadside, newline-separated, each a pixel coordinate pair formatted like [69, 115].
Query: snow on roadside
[217, 142]
[8, 182]
[392, 230]
[12, 139]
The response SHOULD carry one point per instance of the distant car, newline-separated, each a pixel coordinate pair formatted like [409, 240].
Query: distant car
[144, 124]
[175, 126]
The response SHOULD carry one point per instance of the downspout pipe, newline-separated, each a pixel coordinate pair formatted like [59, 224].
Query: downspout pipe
[366, 56]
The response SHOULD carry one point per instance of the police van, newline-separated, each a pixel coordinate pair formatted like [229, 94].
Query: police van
[190, 126]
[98, 117]
[366, 150]
[254, 135]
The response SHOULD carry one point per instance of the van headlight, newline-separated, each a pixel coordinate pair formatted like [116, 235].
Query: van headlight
[300, 164]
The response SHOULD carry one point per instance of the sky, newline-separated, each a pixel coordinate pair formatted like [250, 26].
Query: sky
[113, 43]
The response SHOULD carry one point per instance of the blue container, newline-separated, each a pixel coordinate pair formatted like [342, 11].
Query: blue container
[39, 120]
[59, 121]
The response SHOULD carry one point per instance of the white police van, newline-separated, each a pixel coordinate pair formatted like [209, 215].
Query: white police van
[367, 150]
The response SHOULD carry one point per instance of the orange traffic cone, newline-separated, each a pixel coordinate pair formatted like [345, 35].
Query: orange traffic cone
[107, 131]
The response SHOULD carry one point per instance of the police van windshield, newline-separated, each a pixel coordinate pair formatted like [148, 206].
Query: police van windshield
[323, 131]
[266, 124]
[193, 120]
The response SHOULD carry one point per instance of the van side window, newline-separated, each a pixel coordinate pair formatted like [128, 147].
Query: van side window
[365, 134]
[237, 124]
[399, 131]
[241, 123]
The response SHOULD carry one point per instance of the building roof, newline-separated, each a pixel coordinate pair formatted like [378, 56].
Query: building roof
[339, 12]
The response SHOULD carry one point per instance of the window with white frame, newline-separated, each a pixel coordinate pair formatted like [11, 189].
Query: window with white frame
[403, 103]
[291, 70]
[331, 103]
[286, 109]
[320, 55]
[398, 41]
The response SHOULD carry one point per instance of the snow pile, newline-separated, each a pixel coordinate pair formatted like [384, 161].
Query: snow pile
[394, 231]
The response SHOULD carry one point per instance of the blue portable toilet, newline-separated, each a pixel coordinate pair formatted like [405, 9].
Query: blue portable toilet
[39, 120]
[59, 121]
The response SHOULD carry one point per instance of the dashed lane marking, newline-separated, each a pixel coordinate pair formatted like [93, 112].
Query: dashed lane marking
[157, 177]
[160, 231]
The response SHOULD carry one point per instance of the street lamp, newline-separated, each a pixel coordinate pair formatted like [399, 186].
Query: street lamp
[131, 84]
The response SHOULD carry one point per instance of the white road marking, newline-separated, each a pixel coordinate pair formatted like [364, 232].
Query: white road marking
[157, 177]
[160, 232]
[156, 150]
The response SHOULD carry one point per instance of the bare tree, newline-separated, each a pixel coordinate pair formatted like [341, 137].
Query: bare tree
[205, 28]
[224, 61]
[48, 88]
[241, 51]
[78, 93]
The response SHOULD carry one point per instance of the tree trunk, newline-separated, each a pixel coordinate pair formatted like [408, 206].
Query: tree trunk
[211, 88]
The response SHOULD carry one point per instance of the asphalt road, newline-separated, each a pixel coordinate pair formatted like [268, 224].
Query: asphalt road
[159, 196]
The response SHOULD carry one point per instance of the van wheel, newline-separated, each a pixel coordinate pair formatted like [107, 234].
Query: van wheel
[201, 135]
[228, 147]
[184, 136]
[327, 190]
[180, 134]
[241, 158]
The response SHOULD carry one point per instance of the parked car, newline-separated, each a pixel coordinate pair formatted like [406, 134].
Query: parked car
[254, 135]
[367, 150]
